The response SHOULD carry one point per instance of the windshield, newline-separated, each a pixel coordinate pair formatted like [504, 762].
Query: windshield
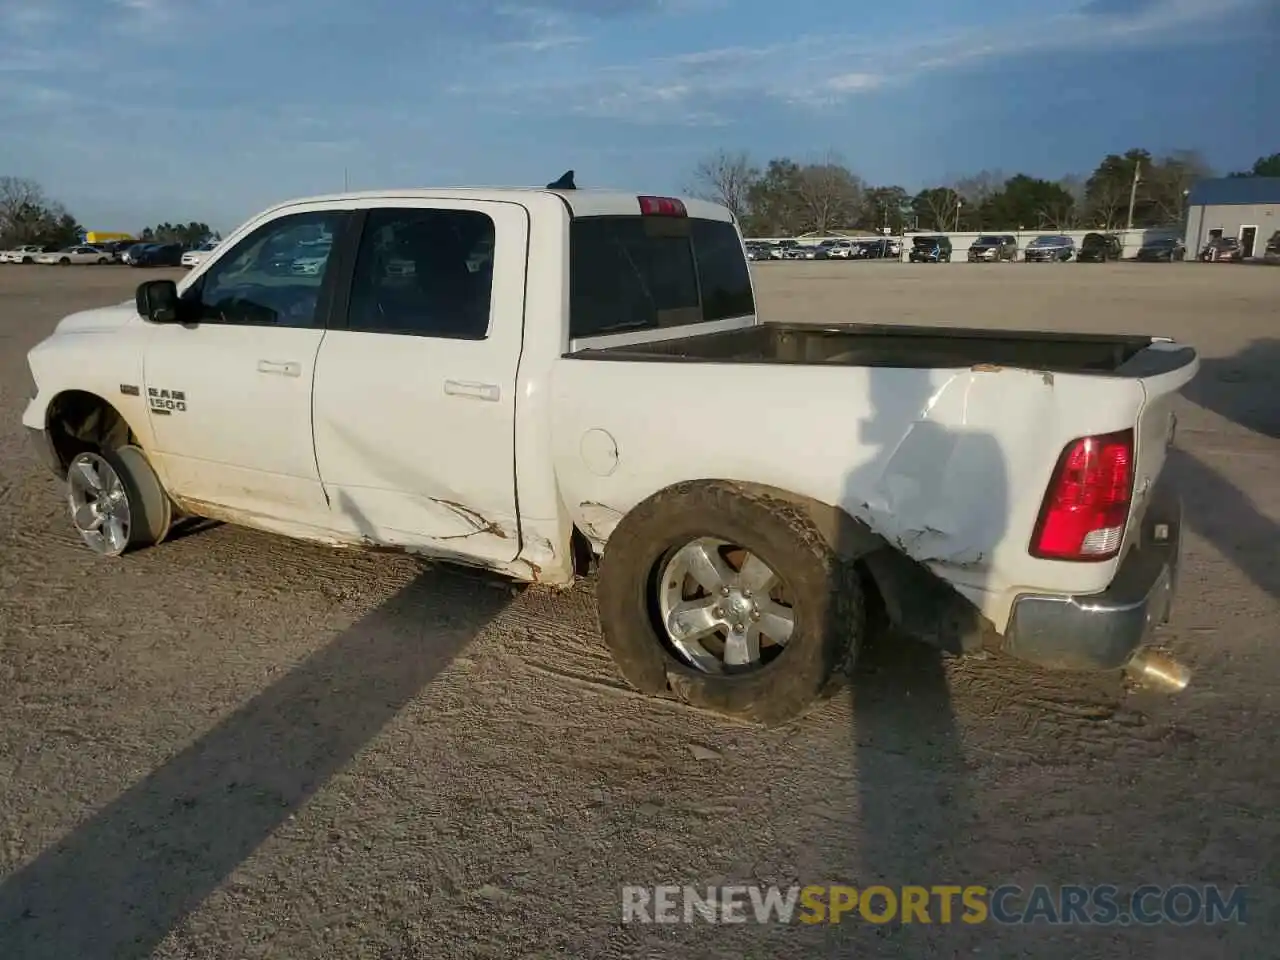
[1162, 243]
[1050, 241]
[987, 241]
[925, 241]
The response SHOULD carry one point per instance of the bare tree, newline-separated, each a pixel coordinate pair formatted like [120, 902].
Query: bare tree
[938, 206]
[977, 188]
[726, 177]
[18, 194]
[829, 194]
[1066, 212]
[1169, 182]
[1074, 184]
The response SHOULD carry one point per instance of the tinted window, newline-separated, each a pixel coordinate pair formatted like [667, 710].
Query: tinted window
[424, 272]
[273, 276]
[722, 271]
[642, 273]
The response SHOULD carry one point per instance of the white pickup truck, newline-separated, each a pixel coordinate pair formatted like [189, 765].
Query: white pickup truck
[527, 380]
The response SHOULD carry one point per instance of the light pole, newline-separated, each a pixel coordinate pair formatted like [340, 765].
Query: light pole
[1133, 192]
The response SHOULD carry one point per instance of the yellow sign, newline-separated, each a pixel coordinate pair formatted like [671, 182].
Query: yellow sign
[101, 236]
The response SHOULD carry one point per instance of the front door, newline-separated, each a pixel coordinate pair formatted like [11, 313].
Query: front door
[1248, 237]
[415, 399]
[229, 391]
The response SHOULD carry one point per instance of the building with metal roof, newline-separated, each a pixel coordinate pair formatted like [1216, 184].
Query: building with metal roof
[1247, 208]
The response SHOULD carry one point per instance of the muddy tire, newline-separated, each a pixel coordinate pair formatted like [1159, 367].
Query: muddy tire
[822, 593]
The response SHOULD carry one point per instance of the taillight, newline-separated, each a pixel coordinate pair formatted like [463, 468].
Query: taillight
[662, 207]
[1087, 504]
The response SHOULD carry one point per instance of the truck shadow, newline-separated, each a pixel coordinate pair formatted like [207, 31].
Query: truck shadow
[1226, 517]
[914, 796]
[1244, 388]
[118, 884]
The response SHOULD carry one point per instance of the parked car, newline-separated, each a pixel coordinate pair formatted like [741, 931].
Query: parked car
[26, 253]
[193, 257]
[1222, 250]
[1050, 248]
[807, 251]
[1168, 250]
[993, 247]
[1009, 510]
[930, 249]
[846, 249]
[115, 248]
[1271, 253]
[157, 255]
[780, 249]
[131, 253]
[877, 248]
[1099, 248]
[79, 254]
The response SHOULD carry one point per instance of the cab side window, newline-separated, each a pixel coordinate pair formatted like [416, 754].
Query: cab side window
[423, 272]
[274, 276]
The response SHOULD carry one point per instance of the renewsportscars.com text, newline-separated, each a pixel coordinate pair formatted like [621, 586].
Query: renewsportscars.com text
[1102, 904]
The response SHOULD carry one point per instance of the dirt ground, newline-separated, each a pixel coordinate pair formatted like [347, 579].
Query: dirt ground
[237, 746]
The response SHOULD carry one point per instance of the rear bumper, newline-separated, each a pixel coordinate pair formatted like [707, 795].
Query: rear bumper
[1102, 631]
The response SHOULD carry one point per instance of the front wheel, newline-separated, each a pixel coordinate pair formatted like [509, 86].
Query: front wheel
[64, 262]
[116, 501]
[731, 600]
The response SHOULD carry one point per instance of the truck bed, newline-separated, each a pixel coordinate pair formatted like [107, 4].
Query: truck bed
[876, 345]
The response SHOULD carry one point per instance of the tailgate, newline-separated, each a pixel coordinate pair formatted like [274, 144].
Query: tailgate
[1162, 369]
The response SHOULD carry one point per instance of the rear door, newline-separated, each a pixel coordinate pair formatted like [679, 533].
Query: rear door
[415, 383]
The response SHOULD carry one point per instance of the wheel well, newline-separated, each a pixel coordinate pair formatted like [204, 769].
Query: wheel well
[899, 590]
[78, 421]
[584, 557]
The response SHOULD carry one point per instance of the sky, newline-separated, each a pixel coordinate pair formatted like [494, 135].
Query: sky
[136, 111]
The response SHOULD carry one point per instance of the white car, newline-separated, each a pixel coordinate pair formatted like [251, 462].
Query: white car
[24, 254]
[193, 258]
[71, 255]
[750, 488]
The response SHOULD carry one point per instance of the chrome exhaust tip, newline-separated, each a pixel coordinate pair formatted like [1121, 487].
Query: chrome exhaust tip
[1158, 671]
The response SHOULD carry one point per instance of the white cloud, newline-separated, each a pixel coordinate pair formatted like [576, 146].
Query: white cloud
[826, 70]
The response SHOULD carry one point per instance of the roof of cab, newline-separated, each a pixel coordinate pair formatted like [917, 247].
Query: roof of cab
[581, 202]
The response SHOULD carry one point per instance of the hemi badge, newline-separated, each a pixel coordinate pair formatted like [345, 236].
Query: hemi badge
[129, 390]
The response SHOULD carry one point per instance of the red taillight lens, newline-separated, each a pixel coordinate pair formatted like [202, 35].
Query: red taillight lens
[1087, 504]
[662, 207]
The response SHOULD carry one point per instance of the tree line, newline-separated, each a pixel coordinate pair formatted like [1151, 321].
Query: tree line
[191, 234]
[29, 215]
[787, 198]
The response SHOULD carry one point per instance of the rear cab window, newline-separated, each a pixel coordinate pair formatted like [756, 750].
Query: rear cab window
[634, 273]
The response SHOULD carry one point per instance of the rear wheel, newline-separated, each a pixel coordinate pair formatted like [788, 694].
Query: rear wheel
[729, 599]
[64, 262]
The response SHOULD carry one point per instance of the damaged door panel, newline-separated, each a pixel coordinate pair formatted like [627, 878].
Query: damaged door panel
[415, 396]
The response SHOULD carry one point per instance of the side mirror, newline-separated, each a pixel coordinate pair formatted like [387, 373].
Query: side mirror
[157, 301]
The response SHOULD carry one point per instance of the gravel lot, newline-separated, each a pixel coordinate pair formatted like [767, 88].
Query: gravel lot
[237, 746]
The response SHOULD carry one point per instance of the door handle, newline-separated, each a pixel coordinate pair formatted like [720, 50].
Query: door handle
[478, 391]
[284, 368]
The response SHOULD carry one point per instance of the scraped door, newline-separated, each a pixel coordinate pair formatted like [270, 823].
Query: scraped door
[414, 408]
